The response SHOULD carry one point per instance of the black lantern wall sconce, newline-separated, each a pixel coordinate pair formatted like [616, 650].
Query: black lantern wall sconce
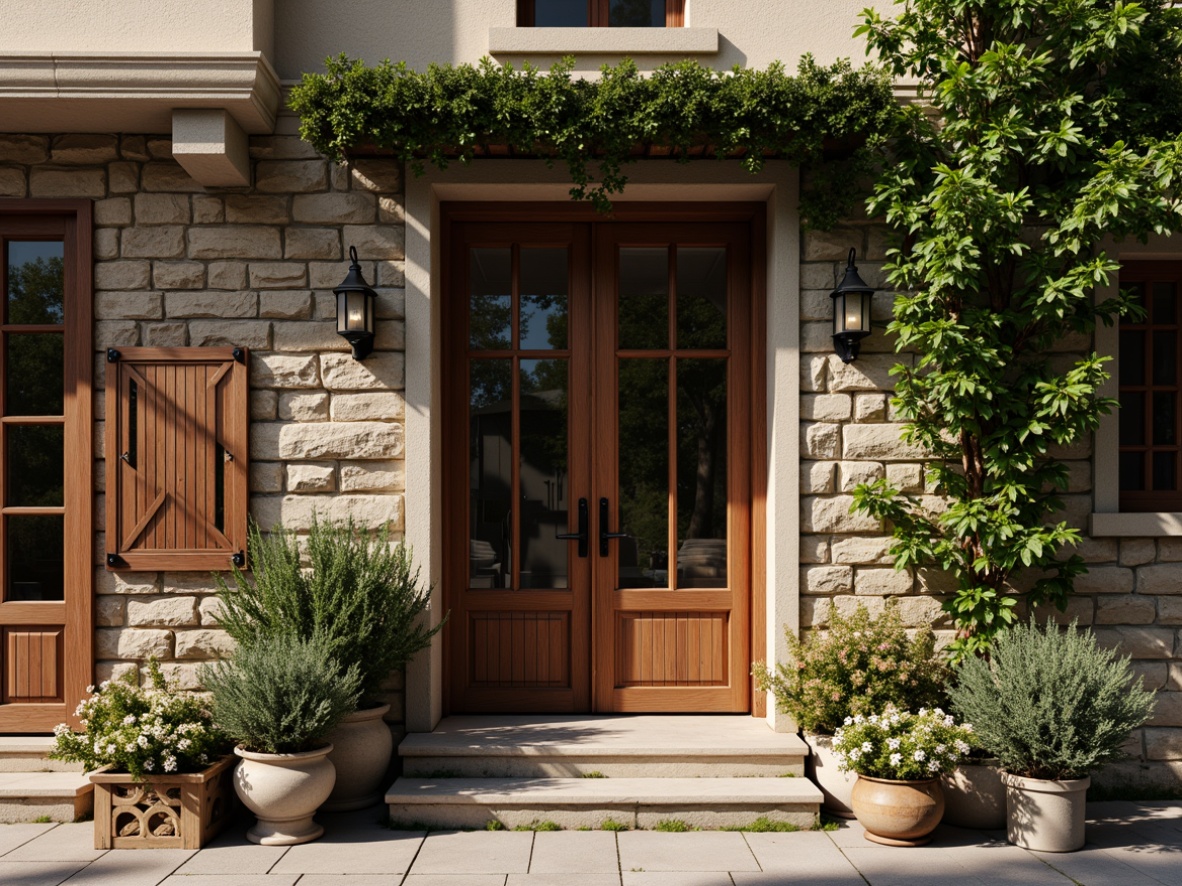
[851, 312]
[355, 309]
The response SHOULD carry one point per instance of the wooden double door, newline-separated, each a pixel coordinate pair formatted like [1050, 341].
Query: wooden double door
[598, 439]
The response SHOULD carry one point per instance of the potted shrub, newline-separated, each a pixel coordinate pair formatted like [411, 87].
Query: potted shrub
[858, 666]
[279, 697]
[1052, 706]
[162, 770]
[899, 757]
[361, 594]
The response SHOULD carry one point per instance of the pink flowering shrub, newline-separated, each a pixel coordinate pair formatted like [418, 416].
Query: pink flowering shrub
[143, 730]
[901, 745]
[860, 665]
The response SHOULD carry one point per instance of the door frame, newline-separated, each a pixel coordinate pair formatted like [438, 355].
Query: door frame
[754, 214]
[74, 223]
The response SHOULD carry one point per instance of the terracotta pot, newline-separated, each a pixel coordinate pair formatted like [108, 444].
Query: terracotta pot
[974, 796]
[898, 813]
[361, 751]
[1044, 815]
[284, 790]
[836, 786]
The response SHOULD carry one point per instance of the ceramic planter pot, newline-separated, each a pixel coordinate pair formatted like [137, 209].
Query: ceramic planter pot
[898, 813]
[836, 786]
[361, 751]
[284, 790]
[974, 796]
[1045, 815]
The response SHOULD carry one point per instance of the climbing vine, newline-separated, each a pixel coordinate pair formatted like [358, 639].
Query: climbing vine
[597, 126]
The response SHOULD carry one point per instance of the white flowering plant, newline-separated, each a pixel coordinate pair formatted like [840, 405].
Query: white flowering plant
[900, 745]
[142, 730]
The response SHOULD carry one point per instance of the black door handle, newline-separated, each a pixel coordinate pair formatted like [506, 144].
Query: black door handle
[581, 535]
[604, 535]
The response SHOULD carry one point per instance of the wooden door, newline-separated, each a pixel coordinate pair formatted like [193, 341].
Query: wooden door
[45, 487]
[597, 438]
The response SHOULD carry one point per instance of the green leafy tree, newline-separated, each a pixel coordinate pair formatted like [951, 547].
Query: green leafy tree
[1044, 126]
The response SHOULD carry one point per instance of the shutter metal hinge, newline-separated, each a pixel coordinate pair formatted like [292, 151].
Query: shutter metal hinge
[113, 559]
[113, 355]
[239, 559]
[239, 355]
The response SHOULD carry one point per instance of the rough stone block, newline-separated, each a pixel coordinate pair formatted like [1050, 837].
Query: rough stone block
[1168, 711]
[132, 643]
[254, 334]
[203, 644]
[186, 677]
[286, 305]
[870, 407]
[826, 580]
[167, 175]
[816, 477]
[1105, 580]
[115, 334]
[311, 478]
[825, 407]
[277, 275]
[380, 175]
[1154, 674]
[1097, 550]
[832, 514]
[860, 550]
[227, 275]
[1162, 579]
[1169, 611]
[83, 148]
[178, 275]
[46, 182]
[833, 244]
[1079, 609]
[234, 241]
[311, 335]
[115, 670]
[340, 440]
[334, 209]
[264, 405]
[165, 335]
[935, 581]
[208, 210]
[1129, 609]
[1163, 744]
[813, 373]
[373, 476]
[253, 209]
[882, 582]
[162, 611]
[816, 338]
[820, 440]
[368, 406]
[110, 612]
[312, 243]
[917, 612]
[122, 274]
[905, 477]
[281, 147]
[878, 441]
[112, 211]
[303, 406]
[284, 371]
[290, 176]
[157, 241]
[390, 274]
[814, 549]
[325, 275]
[266, 476]
[162, 209]
[24, 149]
[380, 370]
[124, 305]
[297, 511]
[855, 473]
[106, 240]
[210, 608]
[1138, 551]
[212, 305]
[123, 178]
[868, 373]
[1139, 642]
[391, 211]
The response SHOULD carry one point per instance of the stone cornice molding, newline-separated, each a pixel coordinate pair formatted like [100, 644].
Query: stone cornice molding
[137, 91]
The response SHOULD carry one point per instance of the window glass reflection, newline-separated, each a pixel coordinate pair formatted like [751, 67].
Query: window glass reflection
[637, 14]
[543, 498]
[36, 557]
[644, 473]
[701, 474]
[644, 298]
[36, 273]
[34, 373]
[544, 292]
[490, 312]
[560, 14]
[490, 473]
[701, 297]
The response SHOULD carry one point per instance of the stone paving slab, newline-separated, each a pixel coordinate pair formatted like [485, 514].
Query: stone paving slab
[14, 835]
[233, 854]
[132, 867]
[370, 851]
[455, 880]
[37, 873]
[699, 851]
[574, 852]
[66, 842]
[233, 880]
[680, 878]
[474, 852]
[532, 879]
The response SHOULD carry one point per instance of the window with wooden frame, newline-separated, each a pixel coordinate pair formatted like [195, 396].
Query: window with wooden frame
[177, 458]
[600, 13]
[1150, 388]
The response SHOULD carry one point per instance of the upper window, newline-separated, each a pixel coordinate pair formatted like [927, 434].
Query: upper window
[600, 13]
[1150, 419]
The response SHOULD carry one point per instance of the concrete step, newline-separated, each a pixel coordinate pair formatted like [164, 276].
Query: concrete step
[650, 746]
[58, 796]
[30, 753]
[588, 802]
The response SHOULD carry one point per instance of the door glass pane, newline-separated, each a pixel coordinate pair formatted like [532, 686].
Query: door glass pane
[1132, 471]
[644, 298]
[644, 474]
[1165, 358]
[35, 557]
[560, 14]
[35, 472]
[637, 14]
[701, 474]
[35, 282]
[1132, 357]
[544, 504]
[34, 374]
[490, 315]
[490, 474]
[1164, 304]
[701, 297]
[544, 291]
[1164, 471]
[1165, 413]
[1132, 418]
[1135, 292]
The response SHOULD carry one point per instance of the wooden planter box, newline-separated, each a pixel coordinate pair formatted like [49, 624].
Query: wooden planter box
[183, 811]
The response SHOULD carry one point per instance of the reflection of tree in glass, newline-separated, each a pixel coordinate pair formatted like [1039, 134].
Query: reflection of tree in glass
[644, 457]
[35, 291]
[636, 13]
[544, 397]
[701, 457]
[489, 322]
[700, 323]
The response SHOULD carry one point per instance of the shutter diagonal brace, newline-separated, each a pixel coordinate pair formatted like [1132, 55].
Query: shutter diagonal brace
[139, 527]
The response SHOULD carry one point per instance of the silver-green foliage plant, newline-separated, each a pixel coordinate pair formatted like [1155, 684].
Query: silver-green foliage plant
[282, 694]
[1050, 703]
[143, 730]
[359, 593]
[1044, 128]
[857, 665]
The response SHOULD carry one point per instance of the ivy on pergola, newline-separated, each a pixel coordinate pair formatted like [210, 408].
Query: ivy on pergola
[596, 125]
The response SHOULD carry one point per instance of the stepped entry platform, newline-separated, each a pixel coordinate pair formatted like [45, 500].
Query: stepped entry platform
[577, 771]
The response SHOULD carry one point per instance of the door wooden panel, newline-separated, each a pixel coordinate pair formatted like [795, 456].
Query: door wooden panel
[650, 609]
[46, 488]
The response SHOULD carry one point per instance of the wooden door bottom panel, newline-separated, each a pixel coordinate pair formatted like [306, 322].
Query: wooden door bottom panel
[677, 700]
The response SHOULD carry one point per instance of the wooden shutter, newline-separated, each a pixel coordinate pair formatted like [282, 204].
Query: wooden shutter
[177, 458]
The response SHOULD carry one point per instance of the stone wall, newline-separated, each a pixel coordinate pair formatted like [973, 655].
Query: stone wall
[1131, 596]
[177, 264]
